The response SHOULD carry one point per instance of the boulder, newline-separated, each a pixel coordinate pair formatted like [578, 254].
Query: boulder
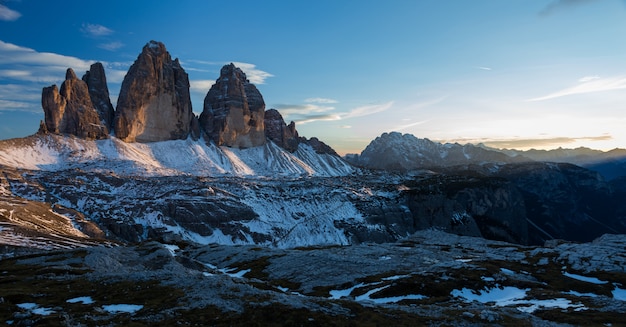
[70, 110]
[154, 103]
[234, 109]
[99, 93]
[279, 132]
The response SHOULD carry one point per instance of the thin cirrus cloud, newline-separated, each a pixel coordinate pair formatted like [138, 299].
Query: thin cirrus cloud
[254, 74]
[320, 100]
[26, 71]
[95, 30]
[8, 14]
[201, 86]
[308, 113]
[588, 84]
[111, 46]
[556, 6]
[528, 143]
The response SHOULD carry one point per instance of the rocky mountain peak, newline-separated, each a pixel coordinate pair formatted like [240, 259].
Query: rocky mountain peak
[234, 109]
[279, 132]
[396, 151]
[99, 94]
[69, 74]
[154, 102]
[70, 110]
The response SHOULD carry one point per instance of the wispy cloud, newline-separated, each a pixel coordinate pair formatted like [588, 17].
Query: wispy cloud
[111, 46]
[8, 14]
[24, 71]
[528, 143]
[320, 100]
[484, 68]
[95, 30]
[201, 86]
[558, 5]
[405, 126]
[255, 75]
[308, 113]
[588, 84]
[368, 110]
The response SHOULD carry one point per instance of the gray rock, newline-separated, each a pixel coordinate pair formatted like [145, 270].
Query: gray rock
[154, 103]
[285, 136]
[234, 110]
[70, 110]
[99, 93]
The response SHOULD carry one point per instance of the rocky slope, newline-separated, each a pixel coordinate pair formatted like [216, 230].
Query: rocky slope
[154, 103]
[430, 278]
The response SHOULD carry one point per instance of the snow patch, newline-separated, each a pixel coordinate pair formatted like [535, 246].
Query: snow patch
[81, 299]
[122, 308]
[581, 278]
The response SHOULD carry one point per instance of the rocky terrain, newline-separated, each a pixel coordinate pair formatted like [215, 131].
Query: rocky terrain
[145, 214]
[429, 278]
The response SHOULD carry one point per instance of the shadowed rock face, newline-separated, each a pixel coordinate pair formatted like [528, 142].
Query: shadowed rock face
[234, 111]
[154, 103]
[99, 93]
[279, 132]
[70, 110]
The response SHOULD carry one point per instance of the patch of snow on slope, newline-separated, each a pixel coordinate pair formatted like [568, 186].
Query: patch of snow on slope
[302, 217]
[34, 157]
[167, 158]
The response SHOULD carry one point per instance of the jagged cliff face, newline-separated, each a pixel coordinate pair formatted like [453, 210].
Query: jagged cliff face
[70, 110]
[99, 93]
[285, 136]
[154, 103]
[234, 111]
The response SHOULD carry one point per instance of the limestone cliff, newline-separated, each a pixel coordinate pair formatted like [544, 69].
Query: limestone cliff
[70, 110]
[154, 102]
[234, 109]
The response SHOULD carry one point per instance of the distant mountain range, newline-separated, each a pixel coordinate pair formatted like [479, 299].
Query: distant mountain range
[405, 152]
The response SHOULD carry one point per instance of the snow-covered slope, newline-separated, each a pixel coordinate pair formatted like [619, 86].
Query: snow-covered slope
[179, 157]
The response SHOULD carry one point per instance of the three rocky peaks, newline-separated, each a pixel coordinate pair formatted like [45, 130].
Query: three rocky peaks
[154, 105]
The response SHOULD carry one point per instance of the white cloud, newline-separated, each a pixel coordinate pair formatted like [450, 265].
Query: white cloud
[585, 79]
[201, 86]
[95, 30]
[8, 14]
[590, 84]
[255, 75]
[367, 110]
[403, 127]
[24, 72]
[483, 68]
[111, 46]
[345, 126]
[320, 100]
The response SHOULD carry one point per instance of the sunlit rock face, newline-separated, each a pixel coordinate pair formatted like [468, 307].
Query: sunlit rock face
[154, 103]
[70, 110]
[234, 109]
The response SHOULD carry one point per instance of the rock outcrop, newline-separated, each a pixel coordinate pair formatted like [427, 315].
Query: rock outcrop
[285, 136]
[70, 110]
[99, 93]
[234, 109]
[154, 103]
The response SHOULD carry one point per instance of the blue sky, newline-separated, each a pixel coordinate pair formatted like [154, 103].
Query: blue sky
[514, 73]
